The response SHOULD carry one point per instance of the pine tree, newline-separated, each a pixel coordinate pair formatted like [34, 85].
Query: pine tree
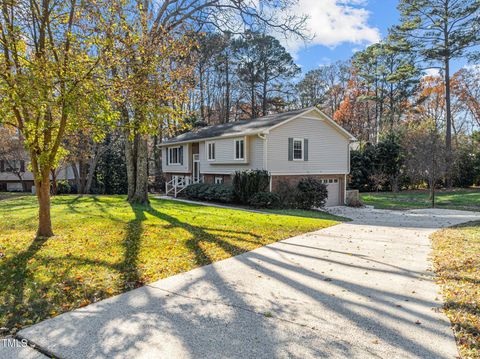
[439, 31]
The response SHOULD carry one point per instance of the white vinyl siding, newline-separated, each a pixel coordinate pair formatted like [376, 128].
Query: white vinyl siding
[225, 162]
[184, 167]
[328, 148]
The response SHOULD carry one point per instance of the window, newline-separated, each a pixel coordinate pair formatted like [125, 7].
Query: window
[297, 149]
[174, 156]
[239, 149]
[218, 180]
[211, 151]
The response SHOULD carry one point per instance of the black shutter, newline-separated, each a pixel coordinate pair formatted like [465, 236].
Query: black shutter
[305, 149]
[290, 149]
[2, 166]
[22, 166]
[167, 151]
[180, 154]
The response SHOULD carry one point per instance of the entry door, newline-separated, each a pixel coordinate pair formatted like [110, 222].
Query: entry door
[196, 168]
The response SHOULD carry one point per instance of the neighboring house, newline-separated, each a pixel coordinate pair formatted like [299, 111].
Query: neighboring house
[290, 146]
[11, 171]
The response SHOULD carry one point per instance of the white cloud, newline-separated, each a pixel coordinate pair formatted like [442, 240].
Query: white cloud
[432, 72]
[333, 22]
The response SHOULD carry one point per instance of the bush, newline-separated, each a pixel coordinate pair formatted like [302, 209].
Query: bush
[264, 200]
[248, 183]
[311, 193]
[64, 187]
[287, 195]
[210, 192]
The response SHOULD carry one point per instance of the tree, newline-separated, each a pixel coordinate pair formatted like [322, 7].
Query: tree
[312, 88]
[426, 159]
[50, 80]
[467, 89]
[265, 67]
[390, 159]
[356, 112]
[324, 87]
[439, 31]
[157, 42]
[390, 78]
[13, 156]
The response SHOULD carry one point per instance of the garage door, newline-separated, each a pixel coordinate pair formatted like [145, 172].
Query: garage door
[333, 187]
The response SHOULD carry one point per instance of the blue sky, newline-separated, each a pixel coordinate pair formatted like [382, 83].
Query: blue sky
[382, 15]
[341, 27]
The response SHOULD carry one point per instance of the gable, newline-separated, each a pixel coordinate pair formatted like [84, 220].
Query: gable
[316, 114]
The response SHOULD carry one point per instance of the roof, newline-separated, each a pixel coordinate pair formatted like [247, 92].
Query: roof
[244, 127]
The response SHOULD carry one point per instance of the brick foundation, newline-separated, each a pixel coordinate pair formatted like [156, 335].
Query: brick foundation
[293, 180]
[208, 178]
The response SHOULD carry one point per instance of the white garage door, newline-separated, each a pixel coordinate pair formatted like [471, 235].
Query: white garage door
[333, 187]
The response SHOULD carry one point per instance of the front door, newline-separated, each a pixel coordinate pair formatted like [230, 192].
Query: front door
[196, 168]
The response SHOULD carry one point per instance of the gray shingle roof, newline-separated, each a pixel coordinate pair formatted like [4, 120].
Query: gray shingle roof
[256, 125]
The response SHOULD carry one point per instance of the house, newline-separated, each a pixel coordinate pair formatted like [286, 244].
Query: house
[290, 146]
[15, 176]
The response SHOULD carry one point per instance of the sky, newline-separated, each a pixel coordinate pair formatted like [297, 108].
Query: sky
[342, 27]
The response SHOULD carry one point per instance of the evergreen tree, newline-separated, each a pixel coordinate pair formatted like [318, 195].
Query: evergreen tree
[439, 31]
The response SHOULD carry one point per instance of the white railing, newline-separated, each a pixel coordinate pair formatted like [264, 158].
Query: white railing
[179, 183]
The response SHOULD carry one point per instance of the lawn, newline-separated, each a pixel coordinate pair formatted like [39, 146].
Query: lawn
[456, 199]
[8, 195]
[457, 263]
[103, 246]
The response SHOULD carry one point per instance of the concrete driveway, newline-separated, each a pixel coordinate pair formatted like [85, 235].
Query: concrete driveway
[359, 289]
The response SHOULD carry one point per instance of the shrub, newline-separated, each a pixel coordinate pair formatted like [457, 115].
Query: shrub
[264, 200]
[210, 192]
[311, 193]
[64, 187]
[287, 195]
[247, 183]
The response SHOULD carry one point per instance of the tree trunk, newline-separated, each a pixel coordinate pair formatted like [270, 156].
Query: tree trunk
[264, 90]
[157, 154]
[54, 181]
[448, 136]
[252, 101]
[227, 90]
[130, 154]
[76, 175]
[92, 165]
[202, 94]
[43, 196]
[141, 181]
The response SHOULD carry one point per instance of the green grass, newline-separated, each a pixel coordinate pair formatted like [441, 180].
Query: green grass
[457, 263]
[103, 246]
[8, 195]
[457, 199]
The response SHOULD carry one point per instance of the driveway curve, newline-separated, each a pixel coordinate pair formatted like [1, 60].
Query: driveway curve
[359, 289]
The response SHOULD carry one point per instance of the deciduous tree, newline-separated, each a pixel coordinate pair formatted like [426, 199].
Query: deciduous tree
[49, 80]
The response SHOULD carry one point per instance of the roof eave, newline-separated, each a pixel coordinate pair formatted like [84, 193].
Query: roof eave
[230, 135]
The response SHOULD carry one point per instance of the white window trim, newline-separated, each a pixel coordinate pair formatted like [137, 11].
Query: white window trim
[218, 180]
[207, 151]
[235, 149]
[303, 149]
[170, 163]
